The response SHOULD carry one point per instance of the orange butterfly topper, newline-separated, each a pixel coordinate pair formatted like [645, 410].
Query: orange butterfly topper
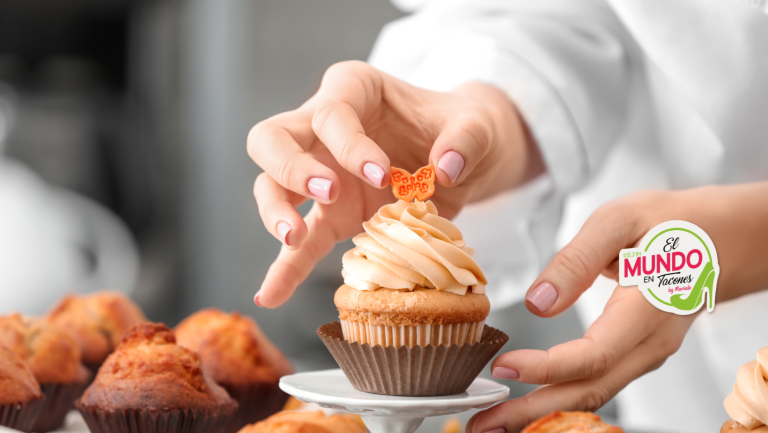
[420, 185]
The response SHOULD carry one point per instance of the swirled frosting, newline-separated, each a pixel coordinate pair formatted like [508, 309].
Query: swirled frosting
[407, 245]
[748, 403]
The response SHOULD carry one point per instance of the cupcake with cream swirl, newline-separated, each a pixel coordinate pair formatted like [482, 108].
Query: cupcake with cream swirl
[747, 405]
[411, 281]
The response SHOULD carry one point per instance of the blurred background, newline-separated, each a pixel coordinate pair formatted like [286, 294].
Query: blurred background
[123, 161]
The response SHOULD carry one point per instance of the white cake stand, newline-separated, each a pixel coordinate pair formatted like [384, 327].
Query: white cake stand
[383, 413]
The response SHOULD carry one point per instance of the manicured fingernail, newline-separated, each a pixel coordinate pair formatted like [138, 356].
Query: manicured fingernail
[374, 173]
[320, 188]
[505, 373]
[283, 229]
[542, 297]
[256, 299]
[451, 163]
[497, 430]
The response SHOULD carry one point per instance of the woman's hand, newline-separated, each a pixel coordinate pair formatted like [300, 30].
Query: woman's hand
[337, 149]
[631, 337]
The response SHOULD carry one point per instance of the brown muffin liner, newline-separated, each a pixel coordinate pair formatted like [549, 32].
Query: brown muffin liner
[21, 416]
[411, 371]
[152, 421]
[257, 402]
[59, 400]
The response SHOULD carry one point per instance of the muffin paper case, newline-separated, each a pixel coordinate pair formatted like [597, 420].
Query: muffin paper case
[257, 402]
[21, 416]
[421, 335]
[151, 421]
[59, 400]
[411, 371]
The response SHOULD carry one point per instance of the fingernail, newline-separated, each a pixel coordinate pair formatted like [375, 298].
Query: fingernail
[497, 430]
[256, 299]
[320, 188]
[505, 373]
[374, 173]
[283, 229]
[542, 297]
[451, 163]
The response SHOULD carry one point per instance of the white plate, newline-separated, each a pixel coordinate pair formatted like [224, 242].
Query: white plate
[384, 413]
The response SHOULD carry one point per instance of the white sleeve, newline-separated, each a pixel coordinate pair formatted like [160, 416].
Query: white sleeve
[564, 63]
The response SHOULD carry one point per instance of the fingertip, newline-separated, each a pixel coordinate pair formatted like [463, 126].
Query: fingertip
[541, 298]
[292, 232]
[376, 174]
[451, 163]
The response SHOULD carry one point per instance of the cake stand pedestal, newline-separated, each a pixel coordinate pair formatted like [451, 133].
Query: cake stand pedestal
[384, 413]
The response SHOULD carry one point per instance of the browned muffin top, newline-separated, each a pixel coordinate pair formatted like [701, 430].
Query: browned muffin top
[565, 422]
[51, 353]
[735, 426]
[16, 380]
[148, 370]
[305, 422]
[98, 321]
[232, 347]
[410, 308]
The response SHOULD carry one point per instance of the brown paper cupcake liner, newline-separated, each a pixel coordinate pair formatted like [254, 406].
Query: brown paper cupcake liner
[422, 335]
[21, 416]
[411, 371]
[257, 402]
[151, 421]
[59, 400]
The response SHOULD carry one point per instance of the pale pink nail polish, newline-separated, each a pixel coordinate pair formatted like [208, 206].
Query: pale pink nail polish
[543, 296]
[256, 300]
[374, 173]
[497, 430]
[283, 228]
[505, 373]
[451, 163]
[320, 188]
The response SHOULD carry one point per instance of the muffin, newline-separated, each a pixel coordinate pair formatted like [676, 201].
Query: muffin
[745, 405]
[571, 422]
[416, 279]
[411, 283]
[240, 358]
[53, 356]
[306, 422]
[152, 385]
[98, 322]
[21, 400]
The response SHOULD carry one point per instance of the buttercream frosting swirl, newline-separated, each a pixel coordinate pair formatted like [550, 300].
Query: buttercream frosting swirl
[748, 403]
[407, 245]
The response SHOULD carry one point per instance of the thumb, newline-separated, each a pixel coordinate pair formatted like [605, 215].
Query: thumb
[572, 271]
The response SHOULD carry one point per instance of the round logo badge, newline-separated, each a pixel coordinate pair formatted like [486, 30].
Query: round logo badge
[675, 268]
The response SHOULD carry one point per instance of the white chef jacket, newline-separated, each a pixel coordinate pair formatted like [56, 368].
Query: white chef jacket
[619, 95]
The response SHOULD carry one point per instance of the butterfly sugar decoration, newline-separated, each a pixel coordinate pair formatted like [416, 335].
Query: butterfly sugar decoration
[420, 185]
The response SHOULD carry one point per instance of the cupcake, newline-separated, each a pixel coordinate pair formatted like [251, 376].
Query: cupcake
[306, 422]
[746, 405]
[21, 400]
[412, 288]
[565, 422]
[53, 356]
[240, 358]
[410, 280]
[98, 322]
[152, 385]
